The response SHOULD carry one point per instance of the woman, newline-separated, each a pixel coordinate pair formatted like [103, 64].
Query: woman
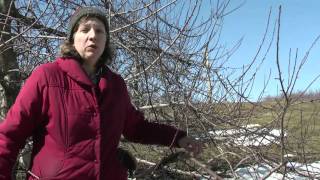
[76, 109]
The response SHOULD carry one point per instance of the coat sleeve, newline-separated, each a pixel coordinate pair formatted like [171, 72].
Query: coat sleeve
[20, 121]
[138, 129]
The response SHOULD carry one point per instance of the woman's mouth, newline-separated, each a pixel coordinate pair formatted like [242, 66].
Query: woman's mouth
[91, 47]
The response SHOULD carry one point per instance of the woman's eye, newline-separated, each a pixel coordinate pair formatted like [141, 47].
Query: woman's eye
[100, 31]
[84, 30]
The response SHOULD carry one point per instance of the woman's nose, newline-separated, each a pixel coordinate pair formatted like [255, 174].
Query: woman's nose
[92, 34]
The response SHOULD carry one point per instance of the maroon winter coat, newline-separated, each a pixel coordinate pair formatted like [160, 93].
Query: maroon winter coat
[76, 125]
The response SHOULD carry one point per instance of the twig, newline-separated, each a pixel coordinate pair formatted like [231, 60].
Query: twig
[205, 168]
[188, 173]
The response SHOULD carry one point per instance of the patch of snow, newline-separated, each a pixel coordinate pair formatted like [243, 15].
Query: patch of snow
[250, 126]
[249, 135]
[259, 171]
[254, 135]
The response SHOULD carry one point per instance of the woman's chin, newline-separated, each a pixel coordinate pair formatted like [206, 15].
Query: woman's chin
[92, 57]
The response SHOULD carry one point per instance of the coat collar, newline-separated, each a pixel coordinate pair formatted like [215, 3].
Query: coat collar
[74, 70]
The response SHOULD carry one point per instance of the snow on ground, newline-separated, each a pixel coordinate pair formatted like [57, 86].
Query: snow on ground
[260, 171]
[258, 136]
[249, 135]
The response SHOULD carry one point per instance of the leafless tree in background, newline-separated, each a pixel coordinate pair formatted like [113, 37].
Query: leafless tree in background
[170, 54]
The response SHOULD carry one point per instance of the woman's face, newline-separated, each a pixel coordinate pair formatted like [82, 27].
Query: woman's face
[90, 40]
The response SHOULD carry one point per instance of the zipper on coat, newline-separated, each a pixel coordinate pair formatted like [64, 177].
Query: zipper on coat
[64, 91]
[66, 132]
[95, 97]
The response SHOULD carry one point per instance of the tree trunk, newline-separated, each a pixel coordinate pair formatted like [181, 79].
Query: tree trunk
[9, 73]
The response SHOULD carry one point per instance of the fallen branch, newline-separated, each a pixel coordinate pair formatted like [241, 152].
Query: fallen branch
[160, 105]
[188, 173]
[212, 174]
[205, 168]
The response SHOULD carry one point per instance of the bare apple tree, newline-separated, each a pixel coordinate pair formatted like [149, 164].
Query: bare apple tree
[175, 65]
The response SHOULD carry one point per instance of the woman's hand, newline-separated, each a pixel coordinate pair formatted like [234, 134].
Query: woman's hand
[193, 146]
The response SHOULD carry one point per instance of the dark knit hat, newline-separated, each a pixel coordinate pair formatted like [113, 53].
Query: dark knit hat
[86, 12]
